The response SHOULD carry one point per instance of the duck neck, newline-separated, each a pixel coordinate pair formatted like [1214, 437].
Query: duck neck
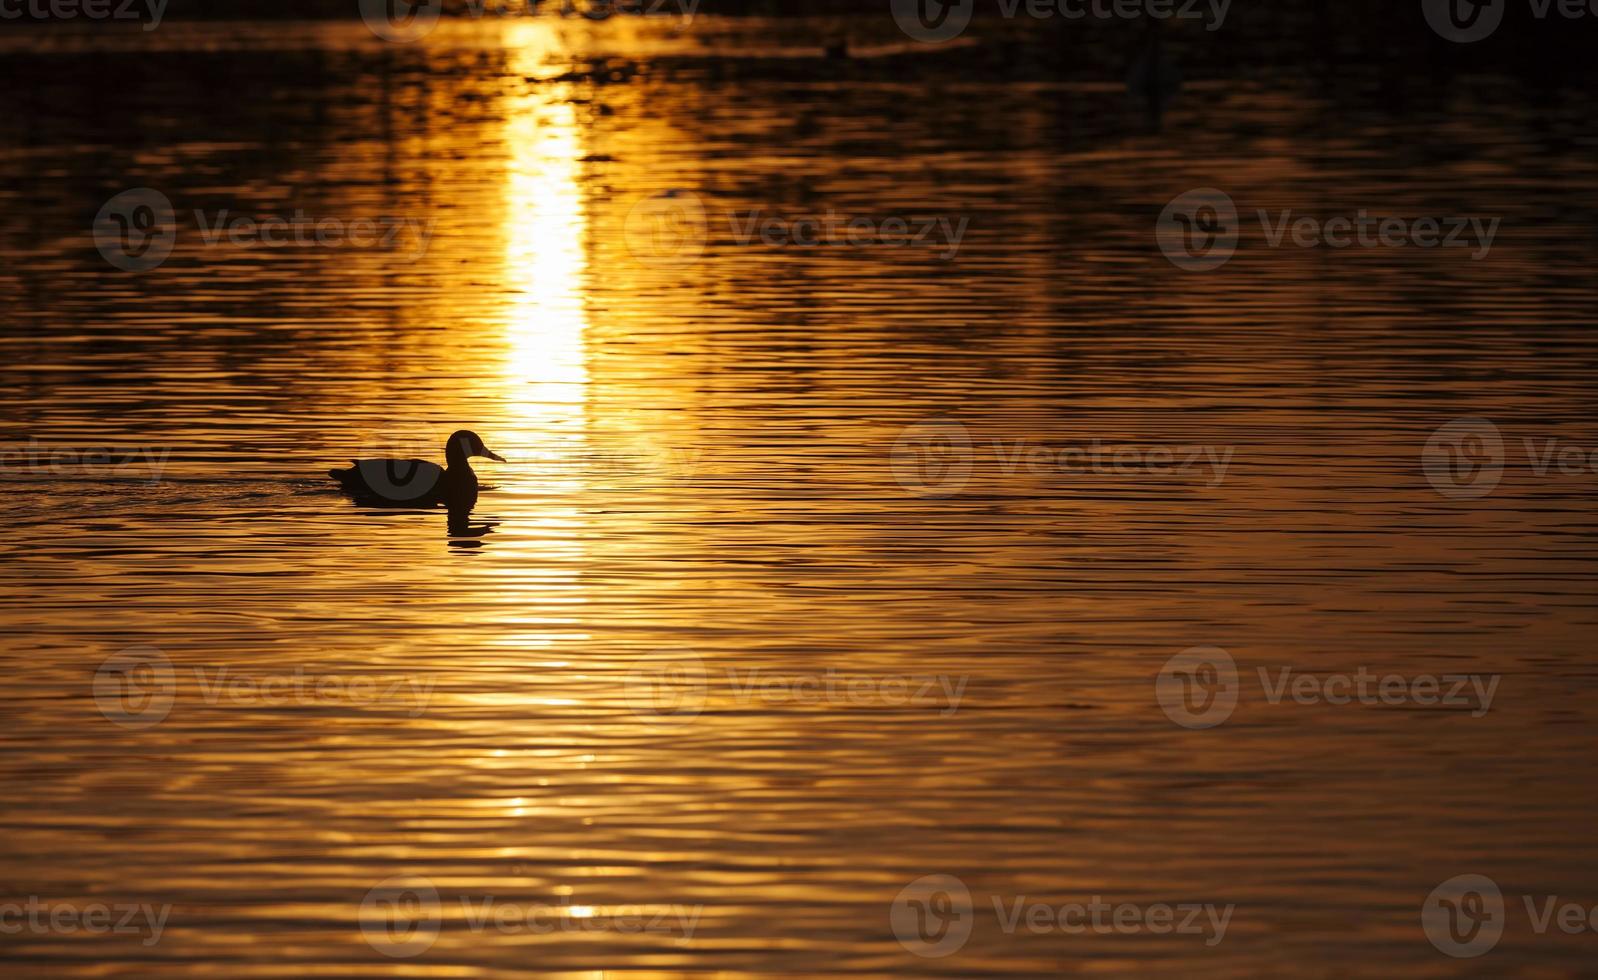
[455, 458]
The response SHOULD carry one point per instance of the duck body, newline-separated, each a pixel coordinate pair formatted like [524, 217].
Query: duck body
[417, 482]
[407, 482]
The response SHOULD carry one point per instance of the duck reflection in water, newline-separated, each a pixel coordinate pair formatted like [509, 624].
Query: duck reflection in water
[461, 527]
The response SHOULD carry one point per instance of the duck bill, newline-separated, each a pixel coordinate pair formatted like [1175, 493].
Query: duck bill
[496, 457]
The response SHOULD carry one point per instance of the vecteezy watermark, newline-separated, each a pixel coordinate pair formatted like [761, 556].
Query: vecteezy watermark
[402, 917]
[1199, 688]
[932, 458]
[837, 230]
[405, 21]
[1465, 458]
[40, 917]
[146, 462]
[1465, 21]
[1199, 230]
[136, 688]
[936, 21]
[86, 10]
[1469, 21]
[1466, 915]
[934, 917]
[679, 689]
[935, 458]
[673, 228]
[137, 229]
[668, 228]
[669, 691]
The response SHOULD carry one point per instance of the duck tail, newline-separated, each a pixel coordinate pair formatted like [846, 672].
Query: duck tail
[340, 475]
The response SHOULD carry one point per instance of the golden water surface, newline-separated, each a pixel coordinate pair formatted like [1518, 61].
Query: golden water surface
[712, 642]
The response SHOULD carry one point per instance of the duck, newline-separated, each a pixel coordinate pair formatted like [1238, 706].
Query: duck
[417, 482]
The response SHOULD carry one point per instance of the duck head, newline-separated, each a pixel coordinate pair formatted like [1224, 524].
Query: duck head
[465, 444]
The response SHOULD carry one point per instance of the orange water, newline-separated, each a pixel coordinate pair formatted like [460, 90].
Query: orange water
[568, 701]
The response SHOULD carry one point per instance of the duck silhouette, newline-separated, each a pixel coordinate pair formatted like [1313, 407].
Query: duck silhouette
[416, 482]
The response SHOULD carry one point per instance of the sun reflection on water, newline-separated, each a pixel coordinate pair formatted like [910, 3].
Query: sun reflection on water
[546, 373]
[544, 376]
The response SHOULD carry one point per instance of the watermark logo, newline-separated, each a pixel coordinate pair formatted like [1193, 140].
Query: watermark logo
[932, 458]
[303, 231]
[1467, 915]
[679, 691]
[1198, 231]
[401, 21]
[85, 461]
[1364, 231]
[136, 230]
[1464, 459]
[408, 21]
[671, 693]
[932, 916]
[667, 229]
[1465, 21]
[135, 688]
[1464, 916]
[936, 21]
[86, 10]
[400, 916]
[833, 687]
[834, 230]
[1198, 688]
[933, 21]
[1473, 691]
[42, 918]
[935, 458]
[673, 227]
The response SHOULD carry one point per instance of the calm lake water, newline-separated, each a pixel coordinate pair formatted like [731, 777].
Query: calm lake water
[814, 571]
